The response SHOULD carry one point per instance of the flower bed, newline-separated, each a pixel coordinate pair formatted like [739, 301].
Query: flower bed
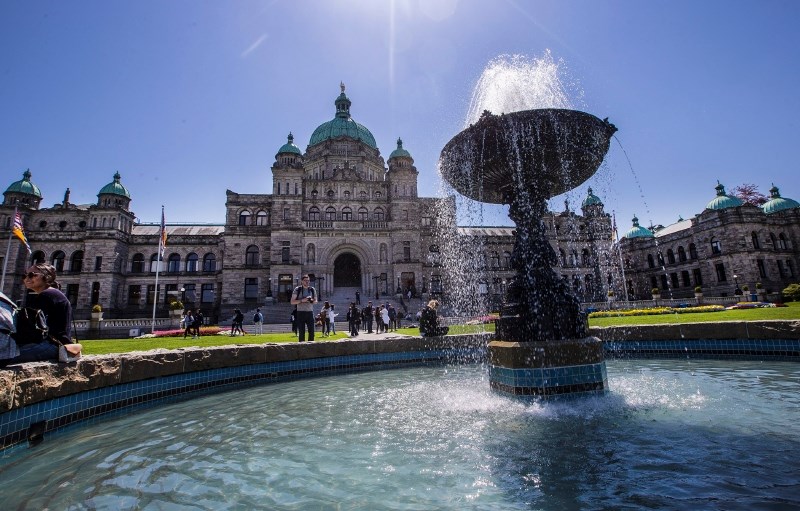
[178, 332]
[655, 311]
[754, 305]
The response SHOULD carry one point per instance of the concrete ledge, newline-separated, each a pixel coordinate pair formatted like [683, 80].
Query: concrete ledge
[768, 329]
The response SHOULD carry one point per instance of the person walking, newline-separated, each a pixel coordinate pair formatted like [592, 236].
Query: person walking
[258, 321]
[323, 319]
[358, 297]
[385, 318]
[238, 322]
[353, 319]
[198, 322]
[369, 317]
[392, 318]
[188, 323]
[305, 296]
[332, 319]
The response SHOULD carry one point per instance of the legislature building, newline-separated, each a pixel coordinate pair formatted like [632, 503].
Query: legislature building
[356, 223]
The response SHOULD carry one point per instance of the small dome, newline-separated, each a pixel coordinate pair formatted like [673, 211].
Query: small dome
[115, 188]
[400, 152]
[289, 146]
[342, 125]
[637, 231]
[25, 186]
[724, 201]
[592, 200]
[777, 203]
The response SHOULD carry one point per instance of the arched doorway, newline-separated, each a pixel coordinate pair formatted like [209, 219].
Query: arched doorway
[347, 271]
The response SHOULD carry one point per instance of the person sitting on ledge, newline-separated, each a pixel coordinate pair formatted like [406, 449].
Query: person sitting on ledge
[429, 323]
[41, 280]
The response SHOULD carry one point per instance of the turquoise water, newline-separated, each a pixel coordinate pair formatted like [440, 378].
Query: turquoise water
[671, 434]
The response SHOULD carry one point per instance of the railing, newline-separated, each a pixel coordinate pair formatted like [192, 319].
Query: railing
[347, 225]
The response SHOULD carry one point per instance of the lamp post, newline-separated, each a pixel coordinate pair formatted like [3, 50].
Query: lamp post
[321, 280]
[737, 291]
[183, 296]
[377, 294]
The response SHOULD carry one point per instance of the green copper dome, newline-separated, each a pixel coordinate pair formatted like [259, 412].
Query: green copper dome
[289, 146]
[592, 200]
[637, 231]
[400, 152]
[777, 203]
[342, 125]
[115, 188]
[724, 201]
[25, 186]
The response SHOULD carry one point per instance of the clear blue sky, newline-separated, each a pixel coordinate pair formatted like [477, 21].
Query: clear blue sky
[189, 98]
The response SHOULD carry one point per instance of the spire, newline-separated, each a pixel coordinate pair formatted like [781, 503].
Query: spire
[342, 104]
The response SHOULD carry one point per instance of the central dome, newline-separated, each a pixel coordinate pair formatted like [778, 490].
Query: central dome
[342, 126]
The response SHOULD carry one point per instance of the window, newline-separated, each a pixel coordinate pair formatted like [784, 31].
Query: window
[311, 254]
[721, 277]
[562, 257]
[782, 241]
[405, 215]
[426, 221]
[378, 195]
[170, 293]
[98, 263]
[495, 257]
[347, 214]
[781, 270]
[362, 194]
[207, 293]
[286, 213]
[650, 262]
[692, 252]
[137, 264]
[585, 257]
[330, 213]
[250, 289]
[716, 246]
[244, 217]
[95, 293]
[363, 214]
[134, 294]
[673, 277]
[698, 277]
[685, 278]
[331, 194]
[72, 294]
[436, 283]
[262, 218]
[754, 237]
[58, 260]
[347, 194]
[151, 293]
[314, 194]
[664, 282]
[285, 255]
[660, 259]
[681, 254]
[313, 214]
[189, 294]
[76, 265]
[37, 257]
[153, 263]
[670, 256]
[790, 267]
[506, 259]
[191, 262]
[174, 263]
[377, 215]
[251, 256]
[406, 251]
[209, 262]
[762, 269]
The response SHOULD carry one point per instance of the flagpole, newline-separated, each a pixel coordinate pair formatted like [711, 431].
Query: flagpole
[5, 263]
[158, 267]
[619, 251]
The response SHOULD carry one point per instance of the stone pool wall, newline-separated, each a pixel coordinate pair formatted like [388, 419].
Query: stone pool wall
[50, 396]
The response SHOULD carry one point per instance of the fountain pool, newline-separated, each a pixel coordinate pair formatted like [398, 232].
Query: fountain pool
[670, 434]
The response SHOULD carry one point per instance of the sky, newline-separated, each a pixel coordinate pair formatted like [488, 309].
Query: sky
[188, 98]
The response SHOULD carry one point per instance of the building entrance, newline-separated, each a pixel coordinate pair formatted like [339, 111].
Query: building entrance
[347, 271]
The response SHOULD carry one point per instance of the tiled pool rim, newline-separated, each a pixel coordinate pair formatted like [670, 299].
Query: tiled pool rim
[52, 396]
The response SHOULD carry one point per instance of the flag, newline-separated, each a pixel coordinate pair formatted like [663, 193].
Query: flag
[17, 230]
[163, 233]
[614, 227]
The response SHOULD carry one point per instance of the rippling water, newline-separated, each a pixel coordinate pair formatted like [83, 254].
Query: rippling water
[671, 435]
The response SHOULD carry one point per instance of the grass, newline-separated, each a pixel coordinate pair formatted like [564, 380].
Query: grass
[106, 346]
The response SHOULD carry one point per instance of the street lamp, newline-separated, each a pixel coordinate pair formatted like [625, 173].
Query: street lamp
[183, 295]
[737, 291]
[377, 294]
[321, 280]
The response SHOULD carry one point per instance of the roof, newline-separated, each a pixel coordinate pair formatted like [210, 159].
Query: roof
[724, 201]
[115, 188]
[778, 203]
[678, 226]
[24, 185]
[400, 152]
[591, 200]
[342, 125]
[178, 230]
[485, 231]
[638, 231]
[289, 146]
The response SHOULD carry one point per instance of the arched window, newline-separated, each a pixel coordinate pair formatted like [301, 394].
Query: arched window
[562, 256]
[37, 257]
[311, 254]
[716, 246]
[174, 263]
[262, 218]
[495, 260]
[650, 262]
[692, 251]
[251, 256]
[363, 214]
[209, 262]
[153, 263]
[244, 218]
[681, 254]
[76, 263]
[314, 194]
[506, 259]
[313, 213]
[670, 256]
[347, 194]
[378, 195]
[660, 259]
[331, 194]
[347, 214]
[58, 260]
[754, 237]
[774, 241]
[362, 194]
[137, 264]
[377, 215]
[782, 242]
[330, 213]
[191, 262]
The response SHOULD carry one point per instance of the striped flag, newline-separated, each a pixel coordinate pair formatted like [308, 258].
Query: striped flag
[163, 233]
[18, 231]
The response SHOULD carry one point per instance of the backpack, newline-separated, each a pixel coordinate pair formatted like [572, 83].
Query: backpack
[31, 326]
[239, 317]
[256, 317]
[8, 312]
[299, 289]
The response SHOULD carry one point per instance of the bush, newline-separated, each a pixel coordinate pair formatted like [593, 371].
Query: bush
[792, 292]
[177, 305]
[655, 291]
[698, 289]
[97, 308]
[656, 311]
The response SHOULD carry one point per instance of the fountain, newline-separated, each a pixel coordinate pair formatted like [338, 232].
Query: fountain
[523, 159]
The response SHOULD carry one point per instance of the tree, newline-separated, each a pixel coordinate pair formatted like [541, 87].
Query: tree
[792, 292]
[749, 193]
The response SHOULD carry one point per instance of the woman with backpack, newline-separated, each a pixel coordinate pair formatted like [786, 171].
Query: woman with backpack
[36, 345]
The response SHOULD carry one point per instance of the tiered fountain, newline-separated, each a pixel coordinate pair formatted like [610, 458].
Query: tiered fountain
[522, 159]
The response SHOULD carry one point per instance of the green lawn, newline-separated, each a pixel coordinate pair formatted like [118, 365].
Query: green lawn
[101, 347]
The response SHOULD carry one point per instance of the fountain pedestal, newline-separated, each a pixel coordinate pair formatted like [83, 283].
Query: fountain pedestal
[522, 159]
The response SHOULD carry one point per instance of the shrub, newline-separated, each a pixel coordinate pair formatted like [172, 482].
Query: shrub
[655, 311]
[792, 292]
[177, 305]
[745, 288]
[758, 285]
[655, 291]
[698, 289]
[97, 308]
